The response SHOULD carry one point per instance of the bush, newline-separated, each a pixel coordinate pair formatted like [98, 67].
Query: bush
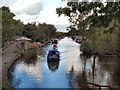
[107, 44]
[104, 41]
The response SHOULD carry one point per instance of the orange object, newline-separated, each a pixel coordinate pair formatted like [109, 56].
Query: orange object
[56, 45]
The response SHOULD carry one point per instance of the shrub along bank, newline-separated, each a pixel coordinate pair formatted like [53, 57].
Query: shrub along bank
[104, 41]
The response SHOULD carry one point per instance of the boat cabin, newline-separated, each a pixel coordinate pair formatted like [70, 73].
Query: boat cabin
[53, 54]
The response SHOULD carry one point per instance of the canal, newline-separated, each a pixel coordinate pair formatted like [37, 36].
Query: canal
[74, 70]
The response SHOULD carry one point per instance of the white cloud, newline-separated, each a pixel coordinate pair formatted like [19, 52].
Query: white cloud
[31, 10]
[27, 7]
[61, 28]
[7, 2]
[40, 11]
[49, 15]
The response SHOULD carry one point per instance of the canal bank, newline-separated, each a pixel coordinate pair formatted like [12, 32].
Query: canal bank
[9, 56]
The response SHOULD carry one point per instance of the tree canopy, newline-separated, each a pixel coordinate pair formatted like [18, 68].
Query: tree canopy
[12, 27]
[96, 21]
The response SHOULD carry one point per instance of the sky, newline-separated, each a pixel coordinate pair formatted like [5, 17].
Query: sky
[39, 11]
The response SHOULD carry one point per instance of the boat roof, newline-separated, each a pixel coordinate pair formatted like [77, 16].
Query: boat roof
[54, 50]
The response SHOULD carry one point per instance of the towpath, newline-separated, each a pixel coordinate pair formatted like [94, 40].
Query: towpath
[8, 58]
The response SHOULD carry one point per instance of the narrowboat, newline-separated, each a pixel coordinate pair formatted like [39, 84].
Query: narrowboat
[49, 43]
[55, 41]
[53, 55]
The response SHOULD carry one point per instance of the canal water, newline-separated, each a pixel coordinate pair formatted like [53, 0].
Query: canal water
[74, 70]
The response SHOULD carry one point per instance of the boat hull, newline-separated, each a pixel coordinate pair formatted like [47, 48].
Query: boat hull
[53, 59]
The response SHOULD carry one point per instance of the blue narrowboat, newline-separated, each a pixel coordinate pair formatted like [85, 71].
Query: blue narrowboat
[53, 55]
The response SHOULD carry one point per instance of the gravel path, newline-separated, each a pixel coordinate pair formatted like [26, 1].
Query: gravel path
[8, 58]
[0, 72]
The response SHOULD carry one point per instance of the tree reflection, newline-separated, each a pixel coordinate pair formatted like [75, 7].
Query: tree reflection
[30, 56]
[111, 65]
[81, 77]
[93, 67]
[118, 72]
[100, 70]
[71, 77]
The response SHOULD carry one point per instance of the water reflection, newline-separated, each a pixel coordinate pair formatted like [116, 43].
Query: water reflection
[82, 76]
[53, 65]
[110, 66]
[30, 57]
[102, 70]
[74, 70]
[71, 78]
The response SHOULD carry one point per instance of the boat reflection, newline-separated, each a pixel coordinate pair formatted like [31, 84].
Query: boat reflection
[53, 65]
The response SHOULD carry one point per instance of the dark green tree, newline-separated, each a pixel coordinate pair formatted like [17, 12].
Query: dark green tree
[29, 29]
[7, 24]
[94, 21]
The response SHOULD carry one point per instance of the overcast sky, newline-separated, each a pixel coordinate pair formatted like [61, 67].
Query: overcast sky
[38, 11]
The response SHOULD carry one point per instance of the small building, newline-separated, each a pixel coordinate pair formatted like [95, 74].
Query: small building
[17, 36]
[23, 39]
